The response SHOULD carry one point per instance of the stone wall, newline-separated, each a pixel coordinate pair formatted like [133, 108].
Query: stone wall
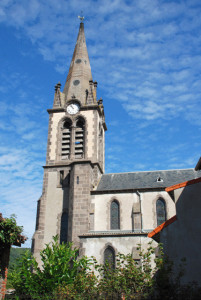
[182, 238]
[95, 246]
[128, 202]
[80, 188]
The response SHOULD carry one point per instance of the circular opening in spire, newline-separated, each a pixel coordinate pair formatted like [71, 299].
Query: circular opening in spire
[76, 82]
[78, 61]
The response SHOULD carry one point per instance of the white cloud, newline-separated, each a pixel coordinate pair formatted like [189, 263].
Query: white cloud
[21, 183]
[155, 43]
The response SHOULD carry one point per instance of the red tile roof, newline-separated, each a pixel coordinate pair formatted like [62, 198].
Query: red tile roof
[183, 184]
[163, 225]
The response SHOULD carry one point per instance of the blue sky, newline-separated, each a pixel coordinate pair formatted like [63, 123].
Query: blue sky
[146, 57]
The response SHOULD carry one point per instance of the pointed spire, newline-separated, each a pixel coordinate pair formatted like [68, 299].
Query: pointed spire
[79, 74]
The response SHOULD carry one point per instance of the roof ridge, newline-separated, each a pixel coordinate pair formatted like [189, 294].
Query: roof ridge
[149, 171]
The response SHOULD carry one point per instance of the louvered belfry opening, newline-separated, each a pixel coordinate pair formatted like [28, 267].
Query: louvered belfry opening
[66, 140]
[79, 139]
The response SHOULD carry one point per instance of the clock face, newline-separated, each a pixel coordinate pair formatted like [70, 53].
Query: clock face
[73, 108]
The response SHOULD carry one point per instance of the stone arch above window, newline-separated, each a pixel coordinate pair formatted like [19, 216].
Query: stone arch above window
[79, 138]
[66, 139]
[160, 211]
[109, 257]
[114, 215]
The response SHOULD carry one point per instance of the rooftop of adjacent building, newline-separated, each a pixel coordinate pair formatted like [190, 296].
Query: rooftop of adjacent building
[155, 234]
[183, 184]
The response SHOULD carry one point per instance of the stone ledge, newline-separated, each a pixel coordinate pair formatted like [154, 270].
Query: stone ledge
[113, 233]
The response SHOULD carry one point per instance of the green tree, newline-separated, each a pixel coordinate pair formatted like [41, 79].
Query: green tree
[60, 267]
[66, 276]
[130, 278]
[10, 234]
[15, 254]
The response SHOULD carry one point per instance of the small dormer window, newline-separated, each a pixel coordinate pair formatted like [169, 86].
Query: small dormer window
[159, 179]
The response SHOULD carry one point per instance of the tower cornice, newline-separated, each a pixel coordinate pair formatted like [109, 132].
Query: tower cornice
[55, 110]
[71, 163]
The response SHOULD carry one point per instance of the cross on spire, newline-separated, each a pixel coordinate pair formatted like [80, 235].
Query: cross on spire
[81, 17]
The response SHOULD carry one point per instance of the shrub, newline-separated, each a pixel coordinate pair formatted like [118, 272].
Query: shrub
[66, 276]
[60, 266]
[130, 278]
[10, 232]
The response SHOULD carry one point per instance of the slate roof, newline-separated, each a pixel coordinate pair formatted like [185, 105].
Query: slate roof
[145, 180]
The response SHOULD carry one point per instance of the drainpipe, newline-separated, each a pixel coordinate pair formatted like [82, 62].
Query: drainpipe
[139, 195]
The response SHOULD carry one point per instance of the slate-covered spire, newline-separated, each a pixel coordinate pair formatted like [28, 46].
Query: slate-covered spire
[79, 79]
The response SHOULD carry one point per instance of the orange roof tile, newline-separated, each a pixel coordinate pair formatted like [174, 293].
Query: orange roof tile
[182, 184]
[163, 225]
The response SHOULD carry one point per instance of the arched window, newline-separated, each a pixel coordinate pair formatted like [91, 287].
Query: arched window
[109, 257]
[114, 215]
[79, 139]
[64, 227]
[160, 211]
[66, 140]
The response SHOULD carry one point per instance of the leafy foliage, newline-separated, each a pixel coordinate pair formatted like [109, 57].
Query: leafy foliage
[130, 278]
[60, 266]
[9, 231]
[66, 276]
[15, 254]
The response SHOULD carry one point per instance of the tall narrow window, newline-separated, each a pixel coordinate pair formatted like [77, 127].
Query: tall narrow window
[109, 257]
[66, 139]
[61, 177]
[114, 215]
[38, 214]
[160, 211]
[64, 227]
[79, 139]
[100, 149]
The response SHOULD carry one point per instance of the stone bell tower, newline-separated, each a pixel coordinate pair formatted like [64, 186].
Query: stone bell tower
[75, 155]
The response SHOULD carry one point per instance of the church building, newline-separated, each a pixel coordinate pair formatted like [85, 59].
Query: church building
[102, 214]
